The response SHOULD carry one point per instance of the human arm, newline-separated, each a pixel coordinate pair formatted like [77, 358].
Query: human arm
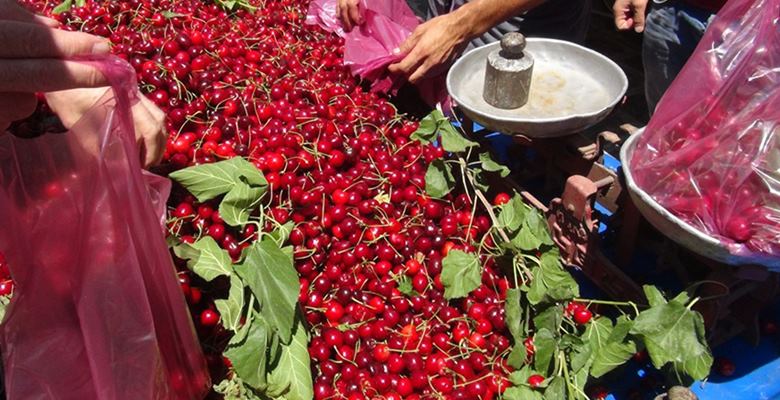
[630, 14]
[438, 41]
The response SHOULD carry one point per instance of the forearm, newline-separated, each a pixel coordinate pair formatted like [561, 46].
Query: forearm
[478, 16]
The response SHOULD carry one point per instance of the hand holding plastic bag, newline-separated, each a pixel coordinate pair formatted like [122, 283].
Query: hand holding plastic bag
[97, 312]
[370, 48]
[711, 153]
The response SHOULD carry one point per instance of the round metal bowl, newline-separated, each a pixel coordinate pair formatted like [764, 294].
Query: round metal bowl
[675, 228]
[572, 89]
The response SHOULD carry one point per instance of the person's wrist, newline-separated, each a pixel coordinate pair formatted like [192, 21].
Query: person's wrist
[464, 23]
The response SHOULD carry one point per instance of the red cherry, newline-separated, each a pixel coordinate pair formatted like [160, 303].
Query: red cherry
[209, 318]
[501, 198]
[582, 316]
[535, 380]
[725, 367]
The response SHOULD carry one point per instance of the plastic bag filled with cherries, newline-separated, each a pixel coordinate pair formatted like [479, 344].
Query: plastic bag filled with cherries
[711, 152]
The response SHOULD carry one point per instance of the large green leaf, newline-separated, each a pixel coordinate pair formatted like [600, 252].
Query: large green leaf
[546, 347]
[513, 214]
[514, 315]
[654, 296]
[611, 356]
[549, 318]
[452, 140]
[460, 274]
[238, 203]
[249, 355]
[208, 181]
[439, 179]
[205, 258]
[556, 389]
[269, 273]
[597, 332]
[230, 308]
[551, 281]
[291, 376]
[522, 393]
[518, 354]
[674, 334]
[489, 165]
[429, 126]
[537, 226]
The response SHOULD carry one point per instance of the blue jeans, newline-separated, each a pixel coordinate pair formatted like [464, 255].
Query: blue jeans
[672, 31]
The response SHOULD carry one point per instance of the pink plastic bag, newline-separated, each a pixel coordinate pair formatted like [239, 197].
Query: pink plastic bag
[368, 48]
[711, 154]
[97, 312]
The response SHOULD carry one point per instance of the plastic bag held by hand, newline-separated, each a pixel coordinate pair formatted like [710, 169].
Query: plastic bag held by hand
[711, 152]
[97, 312]
[368, 48]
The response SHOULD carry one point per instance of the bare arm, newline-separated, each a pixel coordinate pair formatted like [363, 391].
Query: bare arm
[436, 42]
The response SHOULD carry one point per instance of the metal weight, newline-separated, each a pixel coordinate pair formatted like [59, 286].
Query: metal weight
[508, 73]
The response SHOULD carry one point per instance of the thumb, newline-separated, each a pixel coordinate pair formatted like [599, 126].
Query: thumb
[407, 45]
[639, 15]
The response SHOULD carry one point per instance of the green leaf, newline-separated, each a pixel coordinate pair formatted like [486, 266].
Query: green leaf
[238, 203]
[4, 301]
[208, 181]
[550, 318]
[654, 296]
[551, 281]
[537, 292]
[537, 226]
[428, 128]
[205, 258]
[611, 356]
[514, 315]
[248, 356]
[270, 274]
[62, 7]
[579, 379]
[521, 393]
[405, 285]
[674, 334]
[489, 165]
[622, 328]
[525, 240]
[282, 233]
[452, 141]
[521, 375]
[546, 347]
[291, 376]
[461, 273]
[230, 308]
[597, 332]
[168, 14]
[556, 389]
[513, 214]
[439, 179]
[581, 357]
[518, 354]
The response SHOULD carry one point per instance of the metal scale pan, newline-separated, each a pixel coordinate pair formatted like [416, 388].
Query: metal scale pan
[572, 88]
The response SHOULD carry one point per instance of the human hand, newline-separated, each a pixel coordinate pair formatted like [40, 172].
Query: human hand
[349, 12]
[431, 46]
[630, 14]
[34, 58]
[148, 120]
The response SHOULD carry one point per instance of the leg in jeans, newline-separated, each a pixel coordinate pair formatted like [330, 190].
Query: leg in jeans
[672, 32]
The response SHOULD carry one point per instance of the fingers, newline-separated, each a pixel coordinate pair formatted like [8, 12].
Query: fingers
[44, 42]
[47, 75]
[11, 11]
[354, 14]
[16, 106]
[149, 123]
[342, 10]
[621, 10]
[640, 7]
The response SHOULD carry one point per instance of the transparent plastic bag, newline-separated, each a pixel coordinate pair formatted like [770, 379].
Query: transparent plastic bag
[97, 312]
[711, 154]
[368, 48]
